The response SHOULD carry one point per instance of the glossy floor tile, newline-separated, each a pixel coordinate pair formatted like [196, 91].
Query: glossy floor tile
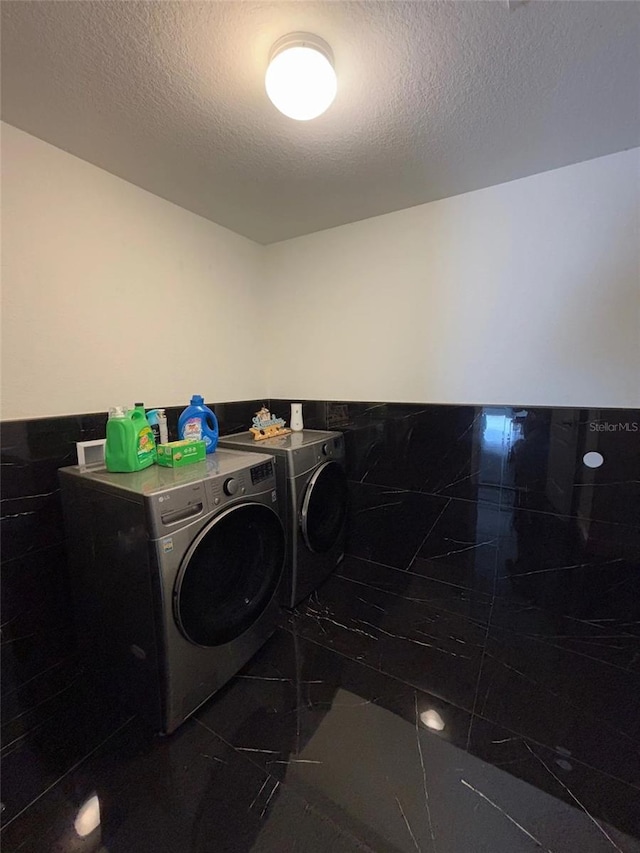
[559, 772]
[190, 792]
[586, 569]
[418, 589]
[42, 744]
[539, 677]
[433, 649]
[612, 640]
[563, 699]
[373, 762]
[306, 750]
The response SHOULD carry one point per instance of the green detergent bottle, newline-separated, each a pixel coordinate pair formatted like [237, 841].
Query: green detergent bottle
[130, 443]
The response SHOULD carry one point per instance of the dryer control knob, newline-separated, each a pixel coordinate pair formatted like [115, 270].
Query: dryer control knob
[230, 486]
[326, 449]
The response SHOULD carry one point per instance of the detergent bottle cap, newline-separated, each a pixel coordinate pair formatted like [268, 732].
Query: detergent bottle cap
[118, 412]
[197, 400]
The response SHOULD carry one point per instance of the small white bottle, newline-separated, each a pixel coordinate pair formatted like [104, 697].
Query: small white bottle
[297, 424]
[162, 423]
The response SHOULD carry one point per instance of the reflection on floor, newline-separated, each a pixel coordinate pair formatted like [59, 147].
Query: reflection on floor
[309, 749]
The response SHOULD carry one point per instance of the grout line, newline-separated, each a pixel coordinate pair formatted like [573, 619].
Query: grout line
[546, 641]
[493, 597]
[492, 504]
[381, 672]
[439, 608]
[419, 574]
[67, 772]
[374, 562]
[520, 736]
[30, 553]
[42, 702]
[67, 658]
[238, 752]
[472, 714]
[292, 790]
[475, 698]
[422, 576]
[428, 534]
[424, 494]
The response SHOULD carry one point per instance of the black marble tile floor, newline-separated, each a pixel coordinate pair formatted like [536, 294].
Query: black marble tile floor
[310, 750]
[540, 680]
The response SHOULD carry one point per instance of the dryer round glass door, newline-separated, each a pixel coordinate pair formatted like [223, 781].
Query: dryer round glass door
[229, 575]
[324, 508]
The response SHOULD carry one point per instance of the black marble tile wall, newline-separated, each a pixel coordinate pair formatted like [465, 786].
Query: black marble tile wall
[38, 643]
[490, 567]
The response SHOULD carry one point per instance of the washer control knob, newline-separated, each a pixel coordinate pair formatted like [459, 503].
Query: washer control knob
[230, 486]
[326, 449]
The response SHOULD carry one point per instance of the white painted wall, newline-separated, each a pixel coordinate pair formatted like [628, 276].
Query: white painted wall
[523, 293]
[111, 294]
[526, 292]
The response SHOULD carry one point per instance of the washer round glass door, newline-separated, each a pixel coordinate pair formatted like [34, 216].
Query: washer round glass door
[324, 508]
[229, 574]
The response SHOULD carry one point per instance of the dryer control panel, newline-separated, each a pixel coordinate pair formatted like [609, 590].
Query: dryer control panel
[260, 473]
[308, 457]
[333, 448]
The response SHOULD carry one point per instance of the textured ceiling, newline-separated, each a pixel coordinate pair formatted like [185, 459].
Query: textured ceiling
[435, 99]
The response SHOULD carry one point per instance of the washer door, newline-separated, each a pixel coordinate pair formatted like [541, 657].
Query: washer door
[324, 508]
[229, 574]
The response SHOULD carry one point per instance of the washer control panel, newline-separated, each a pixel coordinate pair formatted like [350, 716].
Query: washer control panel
[222, 489]
[241, 484]
[230, 486]
[175, 508]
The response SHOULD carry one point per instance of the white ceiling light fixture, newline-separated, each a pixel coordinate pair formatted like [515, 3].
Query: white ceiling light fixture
[301, 81]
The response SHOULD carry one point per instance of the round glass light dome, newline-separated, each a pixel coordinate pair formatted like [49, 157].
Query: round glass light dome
[300, 80]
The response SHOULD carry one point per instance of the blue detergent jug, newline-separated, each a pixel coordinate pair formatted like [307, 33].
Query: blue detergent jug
[198, 423]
